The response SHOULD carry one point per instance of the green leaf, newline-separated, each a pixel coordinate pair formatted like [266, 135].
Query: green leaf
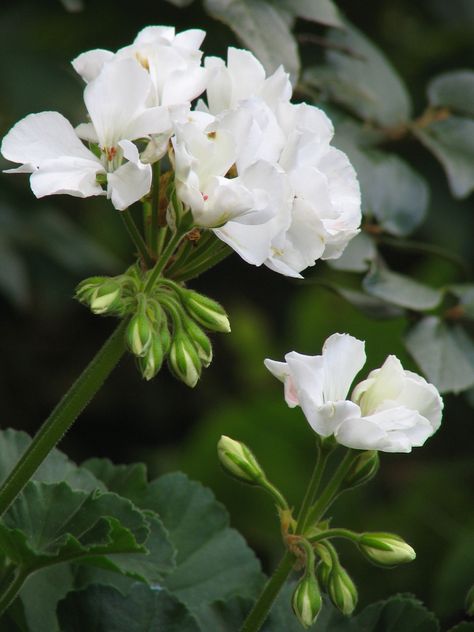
[398, 613]
[394, 193]
[105, 609]
[454, 90]
[465, 626]
[322, 11]
[445, 354]
[263, 28]
[357, 255]
[400, 290]
[369, 305]
[452, 142]
[75, 525]
[57, 467]
[213, 561]
[361, 79]
[40, 595]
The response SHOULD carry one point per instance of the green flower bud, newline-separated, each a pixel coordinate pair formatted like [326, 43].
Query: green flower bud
[239, 461]
[106, 298]
[306, 600]
[102, 294]
[201, 341]
[140, 330]
[165, 337]
[385, 549]
[342, 590]
[363, 469]
[470, 602]
[183, 359]
[205, 311]
[151, 362]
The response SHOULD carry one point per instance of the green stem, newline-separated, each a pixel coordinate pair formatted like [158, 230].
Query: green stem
[147, 222]
[155, 207]
[330, 493]
[334, 533]
[63, 416]
[12, 591]
[312, 490]
[260, 611]
[163, 260]
[136, 237]
[273, 586]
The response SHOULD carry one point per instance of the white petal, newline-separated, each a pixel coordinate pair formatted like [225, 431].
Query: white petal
[43, 136]
[128, 184]
[116, 98]
[90, 63]
[219, 85]
[382, 384]
[417, 394]
[326, 419]
[183, 86]
[281, 371]
[73, 176]
[246, 71]
[277, 88]
[152, 34]
[252, 243]
[86, 131]
[344, 356]
[224, 200]
[155, 120]
[190, 39]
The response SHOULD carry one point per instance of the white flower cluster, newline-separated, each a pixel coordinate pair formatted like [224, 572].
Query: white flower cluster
[252, 166]
[392, 410]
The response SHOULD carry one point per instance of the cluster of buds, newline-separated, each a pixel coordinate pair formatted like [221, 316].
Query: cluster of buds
[168, 321]
[312, 547]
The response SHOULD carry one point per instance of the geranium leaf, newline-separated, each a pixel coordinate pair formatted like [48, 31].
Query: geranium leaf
[105, 609]
[444, 353]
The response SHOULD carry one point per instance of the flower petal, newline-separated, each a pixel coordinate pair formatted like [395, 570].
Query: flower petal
[90, 63]
[128, 184]
[344, 356]
[43, 136]
[69, 175]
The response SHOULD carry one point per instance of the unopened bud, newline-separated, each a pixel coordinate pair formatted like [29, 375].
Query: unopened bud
[470, 602]
[385, 549]
[151, 362]
[201, 341]
[140, 331]
[239, 461]
[306, 600]
[206, 312]
[342, 590]
[184, 360]
[102, 294]
[363, 469]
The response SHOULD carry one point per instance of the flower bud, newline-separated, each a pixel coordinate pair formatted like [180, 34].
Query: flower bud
[151, 362]
[205, 311]
[165, 337]
[183, 359]
[238, 461]
[140, 331]
[342, 590]
[363, 468]
[201, 341]
[385, 549]
[306, 600]
[106, 298]
[470, 602]
[102, 294]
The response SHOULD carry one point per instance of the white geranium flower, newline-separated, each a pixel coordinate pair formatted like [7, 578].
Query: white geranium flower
[204, 152]
[243, 77]
[392, 410]
[49, 148]
[399, 409]
[172, 59]
[320, 384]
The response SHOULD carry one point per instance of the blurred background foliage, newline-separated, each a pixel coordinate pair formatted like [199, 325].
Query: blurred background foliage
[404, 285]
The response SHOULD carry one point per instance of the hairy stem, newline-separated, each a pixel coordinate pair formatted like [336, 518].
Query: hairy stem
[136, 237]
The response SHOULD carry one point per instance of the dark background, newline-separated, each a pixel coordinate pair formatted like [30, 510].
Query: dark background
[47, 246]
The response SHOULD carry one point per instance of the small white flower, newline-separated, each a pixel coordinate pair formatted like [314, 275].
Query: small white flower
[392, 410]
[50, 149]
[172, 60]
